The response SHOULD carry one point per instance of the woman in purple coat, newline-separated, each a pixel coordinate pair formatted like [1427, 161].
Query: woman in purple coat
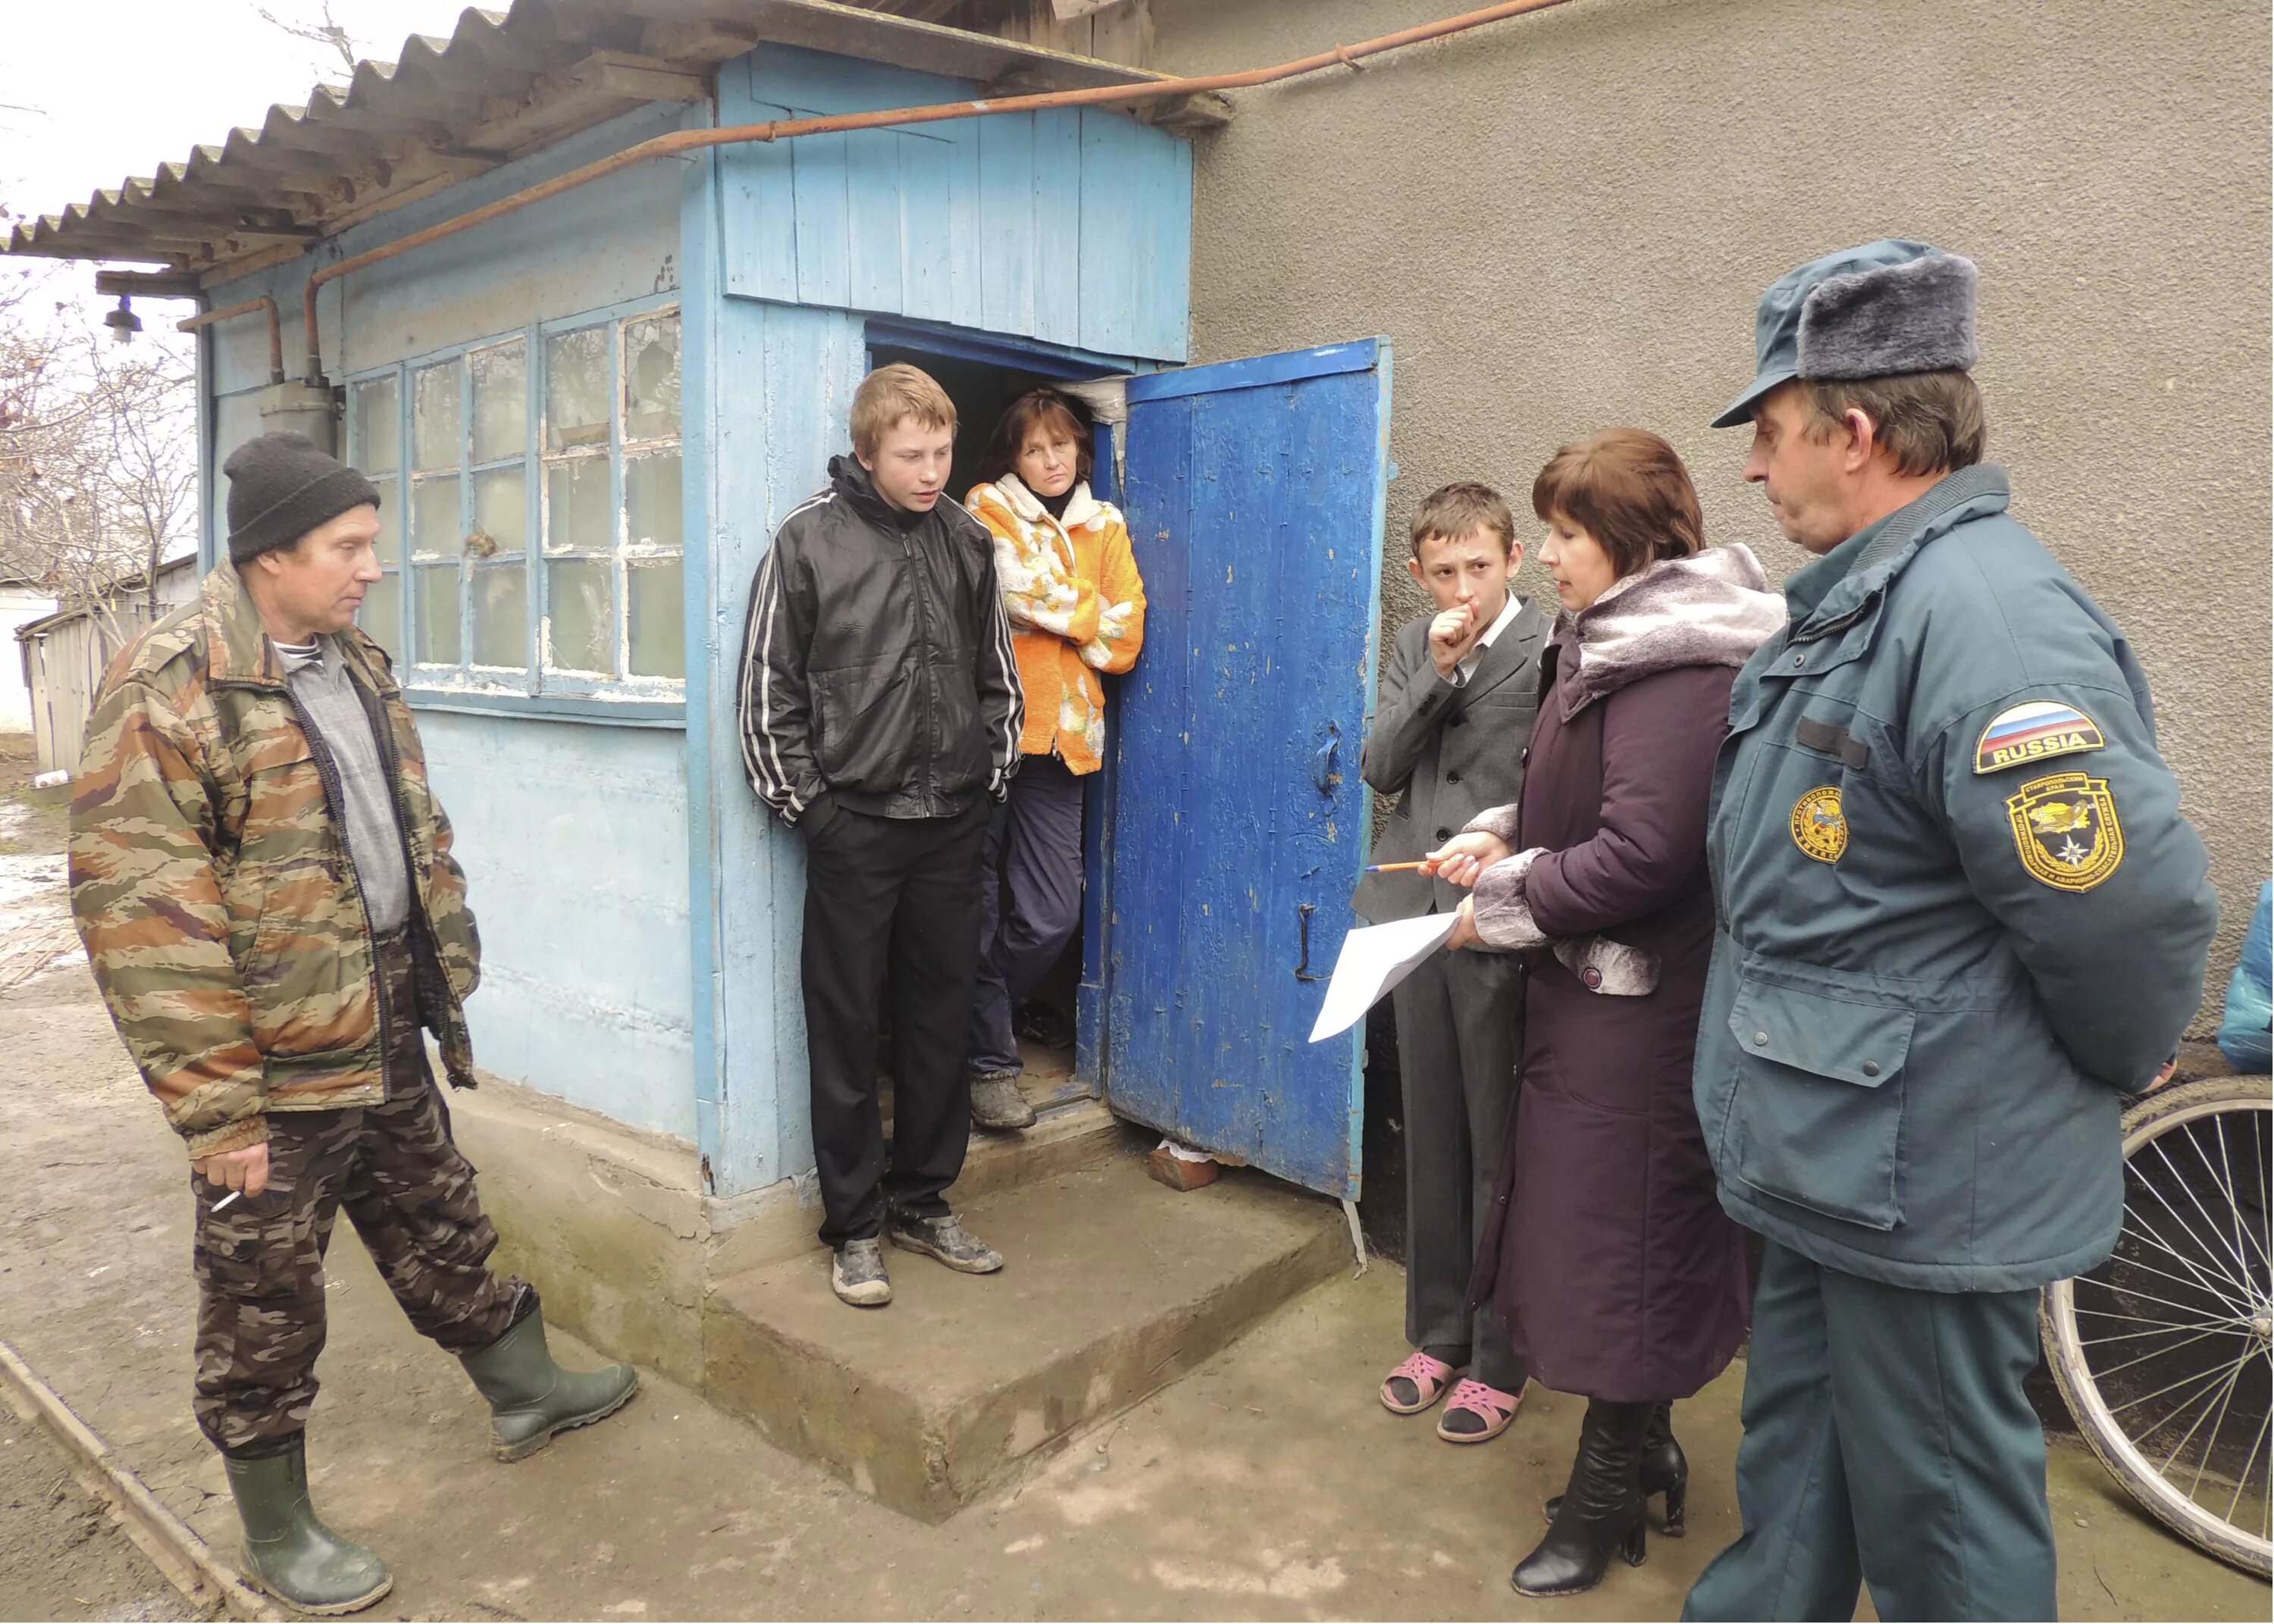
[1619, 1275]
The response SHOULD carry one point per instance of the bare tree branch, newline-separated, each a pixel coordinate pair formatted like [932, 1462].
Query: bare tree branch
[330, 33]
[98, 467]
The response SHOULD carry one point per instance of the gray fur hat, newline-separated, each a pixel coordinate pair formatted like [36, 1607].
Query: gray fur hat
[1890, 306]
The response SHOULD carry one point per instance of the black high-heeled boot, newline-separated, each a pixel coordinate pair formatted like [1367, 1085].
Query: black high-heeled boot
[1663, 1469]
[1601, 1509]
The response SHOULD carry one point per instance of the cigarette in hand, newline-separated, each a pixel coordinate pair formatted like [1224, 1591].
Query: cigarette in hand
[226, 1199]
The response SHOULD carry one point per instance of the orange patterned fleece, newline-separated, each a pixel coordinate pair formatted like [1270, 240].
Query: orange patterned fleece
[1077, 607]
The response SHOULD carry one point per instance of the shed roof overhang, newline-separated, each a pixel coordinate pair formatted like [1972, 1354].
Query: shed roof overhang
[503, 85]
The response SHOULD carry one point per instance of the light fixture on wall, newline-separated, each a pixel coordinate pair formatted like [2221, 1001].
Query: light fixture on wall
[122, 322]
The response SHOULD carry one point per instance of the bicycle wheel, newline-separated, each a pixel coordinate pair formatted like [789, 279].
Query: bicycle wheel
[2162, 1351]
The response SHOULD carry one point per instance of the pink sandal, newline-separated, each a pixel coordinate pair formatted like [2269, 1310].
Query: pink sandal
[1428, 1379]
[1489, 1405]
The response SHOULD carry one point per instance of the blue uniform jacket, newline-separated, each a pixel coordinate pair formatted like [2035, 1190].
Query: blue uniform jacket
[1957, 911]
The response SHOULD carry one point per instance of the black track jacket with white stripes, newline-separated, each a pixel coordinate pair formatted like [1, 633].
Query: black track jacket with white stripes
[876, 663]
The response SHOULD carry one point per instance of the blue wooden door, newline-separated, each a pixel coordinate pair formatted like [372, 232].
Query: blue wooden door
[1254, 494]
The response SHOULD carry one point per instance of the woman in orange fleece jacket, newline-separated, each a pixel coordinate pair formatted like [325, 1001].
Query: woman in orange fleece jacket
[1077, 608]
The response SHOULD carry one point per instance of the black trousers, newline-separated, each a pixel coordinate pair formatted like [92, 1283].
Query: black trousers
[890, 902]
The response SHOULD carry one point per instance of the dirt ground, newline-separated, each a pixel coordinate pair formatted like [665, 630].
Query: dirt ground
[61, 1555]
[1268, 1483]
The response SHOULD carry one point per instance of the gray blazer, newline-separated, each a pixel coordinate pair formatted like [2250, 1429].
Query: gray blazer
[1450, 753]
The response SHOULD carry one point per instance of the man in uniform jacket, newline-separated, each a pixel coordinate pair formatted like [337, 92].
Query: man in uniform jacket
[1458, 692]
[1960, 918]
[263, 879]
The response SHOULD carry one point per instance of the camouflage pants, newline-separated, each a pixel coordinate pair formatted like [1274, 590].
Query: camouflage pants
[411, 1196]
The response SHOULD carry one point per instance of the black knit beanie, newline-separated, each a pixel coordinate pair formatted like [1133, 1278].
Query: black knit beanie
[280, 487]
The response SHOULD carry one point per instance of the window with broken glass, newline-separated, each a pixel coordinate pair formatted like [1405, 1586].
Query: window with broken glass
[531, 538]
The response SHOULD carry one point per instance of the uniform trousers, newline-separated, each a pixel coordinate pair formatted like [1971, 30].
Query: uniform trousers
[1458, 1020]
[889, 903]
[1887, 1441]
[259, 1263]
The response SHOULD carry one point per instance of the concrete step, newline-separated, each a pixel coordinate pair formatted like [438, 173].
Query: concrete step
[1113, 1288]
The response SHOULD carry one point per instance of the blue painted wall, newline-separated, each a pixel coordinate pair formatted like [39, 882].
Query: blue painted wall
[574, 837]
[785, 380]
[574, 842]
[1074, 227]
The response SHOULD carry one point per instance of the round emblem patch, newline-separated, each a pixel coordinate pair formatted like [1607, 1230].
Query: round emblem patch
[1818, 827]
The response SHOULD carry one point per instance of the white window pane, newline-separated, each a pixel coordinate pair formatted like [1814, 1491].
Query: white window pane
[382, 614]
[576, 388]
[578, 512]
[389, 543]
[501, 616]
[651, 500]
[437, 615]
[376, 446]
[651, 378]
[500, 401]
[581, 616]
[435, 531]
[657, 617]
[434, 414]
[501, 511]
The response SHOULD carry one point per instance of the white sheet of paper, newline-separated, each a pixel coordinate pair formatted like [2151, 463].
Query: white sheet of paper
[1375, 959]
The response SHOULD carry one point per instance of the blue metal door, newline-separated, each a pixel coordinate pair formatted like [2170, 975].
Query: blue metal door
[1238, 823]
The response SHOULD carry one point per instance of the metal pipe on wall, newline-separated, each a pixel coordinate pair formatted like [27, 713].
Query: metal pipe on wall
[684, 141]
[276, 329]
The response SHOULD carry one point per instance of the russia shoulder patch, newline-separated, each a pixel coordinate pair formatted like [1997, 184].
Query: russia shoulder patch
[2034, 732]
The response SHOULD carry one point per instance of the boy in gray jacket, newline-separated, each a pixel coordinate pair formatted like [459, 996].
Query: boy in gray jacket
[1458, 692]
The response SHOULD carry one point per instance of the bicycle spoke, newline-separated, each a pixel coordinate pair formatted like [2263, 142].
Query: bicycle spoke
[2242, 1477]
[2197, 1284]
[2208, 1398]
[2227, 1173]
[2211, 1249]
[2214, 1281]
[2148, 1235]
[2102, 1313]
[2157, 1353]
[2196, 1201]
[2181, 1308]
[2202, 1376]
[2212, 1442]
[2126, 1336]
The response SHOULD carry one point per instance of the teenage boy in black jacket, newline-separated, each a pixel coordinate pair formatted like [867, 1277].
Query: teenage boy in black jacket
[880, 713]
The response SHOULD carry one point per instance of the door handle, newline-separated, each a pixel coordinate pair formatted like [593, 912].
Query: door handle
[1323, 761]
[1303, 922]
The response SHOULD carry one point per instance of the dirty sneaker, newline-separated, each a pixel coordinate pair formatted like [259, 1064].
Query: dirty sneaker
[944, 1239]
[857, 1274]
[996, 1102]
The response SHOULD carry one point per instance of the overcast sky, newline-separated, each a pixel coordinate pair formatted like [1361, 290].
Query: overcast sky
[92, 94]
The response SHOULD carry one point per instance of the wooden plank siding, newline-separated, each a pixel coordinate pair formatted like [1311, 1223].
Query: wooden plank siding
[783, 386]
[1073, 226]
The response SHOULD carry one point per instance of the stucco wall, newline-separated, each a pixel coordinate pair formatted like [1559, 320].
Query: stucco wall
[1563, 222]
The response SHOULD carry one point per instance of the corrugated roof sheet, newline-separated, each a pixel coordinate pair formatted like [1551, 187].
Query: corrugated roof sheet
[504, 83]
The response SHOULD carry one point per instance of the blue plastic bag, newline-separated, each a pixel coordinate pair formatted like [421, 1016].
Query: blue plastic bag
[2244, 1036]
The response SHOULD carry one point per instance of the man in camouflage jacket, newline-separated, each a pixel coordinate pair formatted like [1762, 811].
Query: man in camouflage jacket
[263, 880]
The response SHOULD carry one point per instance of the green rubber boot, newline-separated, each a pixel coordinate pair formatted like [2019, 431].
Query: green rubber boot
[288, 1553]
[531, 1398]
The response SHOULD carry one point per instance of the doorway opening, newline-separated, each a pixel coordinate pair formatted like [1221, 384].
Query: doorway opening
[983, 376]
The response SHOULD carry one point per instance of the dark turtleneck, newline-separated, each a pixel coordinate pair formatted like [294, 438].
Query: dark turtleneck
[1056, 506]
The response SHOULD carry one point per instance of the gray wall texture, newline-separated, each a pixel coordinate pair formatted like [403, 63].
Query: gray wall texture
[1563, 221]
